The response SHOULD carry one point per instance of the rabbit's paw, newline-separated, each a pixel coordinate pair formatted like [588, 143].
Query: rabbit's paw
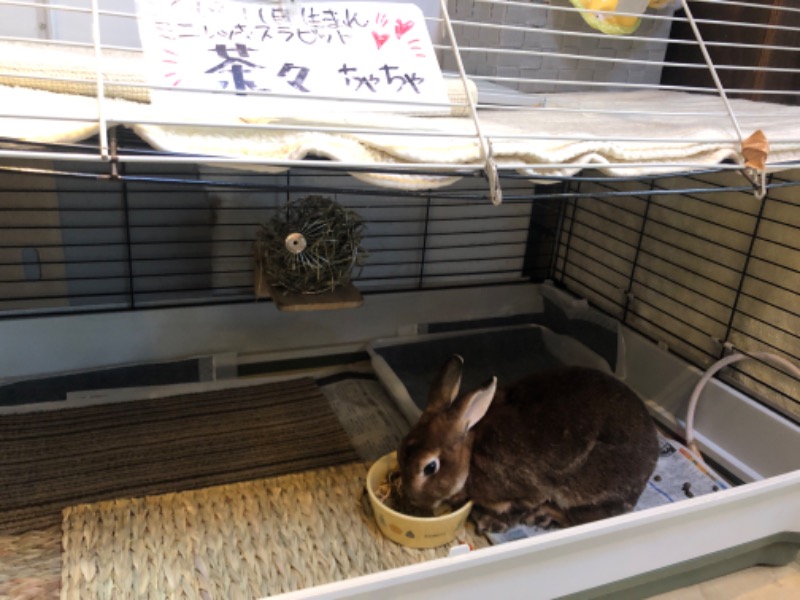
[545, 516]
[487, 521]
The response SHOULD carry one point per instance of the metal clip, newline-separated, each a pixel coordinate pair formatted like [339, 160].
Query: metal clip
[495, 189]
[113, 157]
[758, 179]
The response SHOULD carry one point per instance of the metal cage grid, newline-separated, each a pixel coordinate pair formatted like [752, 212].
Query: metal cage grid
[705, 272]
[176, 237]
[482, 42]
[691, 257]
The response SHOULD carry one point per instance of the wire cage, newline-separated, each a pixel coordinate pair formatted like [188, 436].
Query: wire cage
[653, 172]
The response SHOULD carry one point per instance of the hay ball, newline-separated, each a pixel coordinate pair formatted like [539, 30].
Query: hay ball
[311, 245]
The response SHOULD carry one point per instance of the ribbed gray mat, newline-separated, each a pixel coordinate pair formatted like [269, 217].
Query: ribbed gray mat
[54, 459]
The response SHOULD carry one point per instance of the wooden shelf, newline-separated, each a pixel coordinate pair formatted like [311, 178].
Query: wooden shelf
[345, 296]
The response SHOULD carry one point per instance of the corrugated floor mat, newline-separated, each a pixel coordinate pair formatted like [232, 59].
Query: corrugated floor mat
[54, 459]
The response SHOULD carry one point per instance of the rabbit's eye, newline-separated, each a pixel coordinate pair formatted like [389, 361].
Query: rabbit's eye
[431, 467]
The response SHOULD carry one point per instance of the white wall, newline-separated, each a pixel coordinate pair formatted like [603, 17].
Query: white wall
[23, 21]
[70, 25]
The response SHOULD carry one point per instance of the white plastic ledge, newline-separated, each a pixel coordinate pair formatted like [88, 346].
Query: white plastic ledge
[592, 555]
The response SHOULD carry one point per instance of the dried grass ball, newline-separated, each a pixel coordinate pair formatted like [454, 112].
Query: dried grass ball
[311, 245]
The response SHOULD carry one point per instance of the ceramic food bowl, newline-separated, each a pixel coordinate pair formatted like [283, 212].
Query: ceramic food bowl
[416, 532]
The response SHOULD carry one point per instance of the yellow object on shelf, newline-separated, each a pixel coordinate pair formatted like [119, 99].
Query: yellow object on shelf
[599, 14]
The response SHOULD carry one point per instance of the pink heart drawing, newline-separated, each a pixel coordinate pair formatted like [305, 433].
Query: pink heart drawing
[401, 28]
[380, 39]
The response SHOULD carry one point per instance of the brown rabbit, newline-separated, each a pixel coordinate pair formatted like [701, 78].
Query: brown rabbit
[566, 446]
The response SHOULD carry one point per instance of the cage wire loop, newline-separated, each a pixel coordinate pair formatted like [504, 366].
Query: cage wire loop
[100, 79]
[495, 188]
[490, 166]
[755, 173]
[113, 147]
[758, 179]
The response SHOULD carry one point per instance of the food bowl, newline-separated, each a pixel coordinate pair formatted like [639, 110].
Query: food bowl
[415, 532]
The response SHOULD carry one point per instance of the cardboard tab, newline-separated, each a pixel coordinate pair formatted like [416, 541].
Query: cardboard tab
[755, 150]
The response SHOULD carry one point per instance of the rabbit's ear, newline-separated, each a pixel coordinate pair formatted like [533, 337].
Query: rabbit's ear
[472, 407]
[446, 385]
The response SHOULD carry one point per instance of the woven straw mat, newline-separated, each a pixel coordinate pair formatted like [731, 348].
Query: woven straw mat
[245, 540]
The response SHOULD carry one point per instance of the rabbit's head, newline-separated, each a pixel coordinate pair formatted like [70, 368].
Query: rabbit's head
[434, 457]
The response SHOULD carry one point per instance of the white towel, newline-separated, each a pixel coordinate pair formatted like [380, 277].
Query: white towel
[571, 131]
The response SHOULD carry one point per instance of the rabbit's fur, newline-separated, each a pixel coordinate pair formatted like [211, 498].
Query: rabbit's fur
[565, 446]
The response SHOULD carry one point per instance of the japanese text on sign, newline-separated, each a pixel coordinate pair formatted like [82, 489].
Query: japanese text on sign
[356, 51]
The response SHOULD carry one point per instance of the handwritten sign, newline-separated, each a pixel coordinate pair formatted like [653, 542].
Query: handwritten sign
[355, 51]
